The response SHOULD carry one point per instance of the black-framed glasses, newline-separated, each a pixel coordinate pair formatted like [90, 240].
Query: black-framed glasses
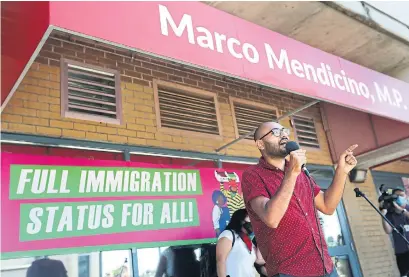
[277, 132]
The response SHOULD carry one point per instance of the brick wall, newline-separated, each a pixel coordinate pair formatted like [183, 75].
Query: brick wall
[373, 246]
[35, 107]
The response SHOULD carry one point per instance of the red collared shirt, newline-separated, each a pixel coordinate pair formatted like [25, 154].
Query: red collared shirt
[294, 246]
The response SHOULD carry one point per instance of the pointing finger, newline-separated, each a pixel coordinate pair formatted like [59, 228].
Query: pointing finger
[352, 148]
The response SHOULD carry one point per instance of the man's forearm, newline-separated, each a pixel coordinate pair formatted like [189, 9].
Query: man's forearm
[386, 227]
[333, 195]
[277, 206]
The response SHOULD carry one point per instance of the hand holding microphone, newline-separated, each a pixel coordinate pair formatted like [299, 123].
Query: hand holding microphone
[298, 158]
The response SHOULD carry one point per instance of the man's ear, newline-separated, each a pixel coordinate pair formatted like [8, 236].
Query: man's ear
[260, 144]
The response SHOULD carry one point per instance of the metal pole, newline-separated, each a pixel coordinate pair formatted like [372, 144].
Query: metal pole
[127, 155]
[278, 119]
[219, 163]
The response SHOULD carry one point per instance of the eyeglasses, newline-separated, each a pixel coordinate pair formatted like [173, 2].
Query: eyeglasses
[277, 132]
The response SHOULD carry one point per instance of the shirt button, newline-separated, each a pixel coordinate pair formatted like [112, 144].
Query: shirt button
[306, 213]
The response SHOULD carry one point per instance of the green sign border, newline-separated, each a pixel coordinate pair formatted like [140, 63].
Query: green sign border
[75, 171]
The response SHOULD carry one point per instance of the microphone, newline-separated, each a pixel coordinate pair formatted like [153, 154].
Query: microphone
[292, 146]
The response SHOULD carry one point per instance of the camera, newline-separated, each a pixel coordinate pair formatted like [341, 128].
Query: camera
[388, 198]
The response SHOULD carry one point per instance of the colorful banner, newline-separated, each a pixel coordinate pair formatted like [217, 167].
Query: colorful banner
[54, 205]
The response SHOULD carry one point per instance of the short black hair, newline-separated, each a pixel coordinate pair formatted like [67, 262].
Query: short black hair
[236, 221]
[46, 268]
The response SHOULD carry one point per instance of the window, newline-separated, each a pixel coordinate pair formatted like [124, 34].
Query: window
[342, 266]
[187, 109]
[249, 115]
[15, 267]
[83, 266]
[305, 131]
[90, 93]
[116, 263]
[143, 262]
[80, 264]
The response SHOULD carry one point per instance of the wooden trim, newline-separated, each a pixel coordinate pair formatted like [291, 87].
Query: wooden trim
[219, 118]
[90, 117]
[64, 94]
[156, 83]
[184, 88]
[77, 71]
[254, 104]
[186, 133]
[233, 113]
[90, 66]
[156, 99]
[316, 131]
[118, 94]
[233, 100]
[63, 87]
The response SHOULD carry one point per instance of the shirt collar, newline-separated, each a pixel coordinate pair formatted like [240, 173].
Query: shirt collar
[263, 163]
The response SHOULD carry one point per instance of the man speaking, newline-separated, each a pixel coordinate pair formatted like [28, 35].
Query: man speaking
[282, 200]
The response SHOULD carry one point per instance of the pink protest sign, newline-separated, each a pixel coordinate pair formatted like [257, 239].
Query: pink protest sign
[54, 205]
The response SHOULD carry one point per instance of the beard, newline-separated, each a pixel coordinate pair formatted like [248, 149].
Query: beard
[276, 150]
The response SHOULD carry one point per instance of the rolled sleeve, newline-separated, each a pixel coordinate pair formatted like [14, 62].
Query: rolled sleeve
[315, 187]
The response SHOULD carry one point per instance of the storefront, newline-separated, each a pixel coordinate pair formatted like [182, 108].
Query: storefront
[184, 93]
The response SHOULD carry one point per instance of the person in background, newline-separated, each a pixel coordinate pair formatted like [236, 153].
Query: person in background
[46, 268]
[220, 213]
[178, 261]
[166, 263]
[399, 217]
[235, 252]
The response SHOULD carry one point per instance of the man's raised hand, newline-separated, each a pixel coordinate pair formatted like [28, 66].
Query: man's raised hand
[347, 161]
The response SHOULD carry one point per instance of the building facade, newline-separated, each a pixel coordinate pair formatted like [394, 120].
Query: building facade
[87, 99]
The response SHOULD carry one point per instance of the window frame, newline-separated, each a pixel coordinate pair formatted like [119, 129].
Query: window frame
[65, 113]
[233, 100]
[188, 90]
[293, 125]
